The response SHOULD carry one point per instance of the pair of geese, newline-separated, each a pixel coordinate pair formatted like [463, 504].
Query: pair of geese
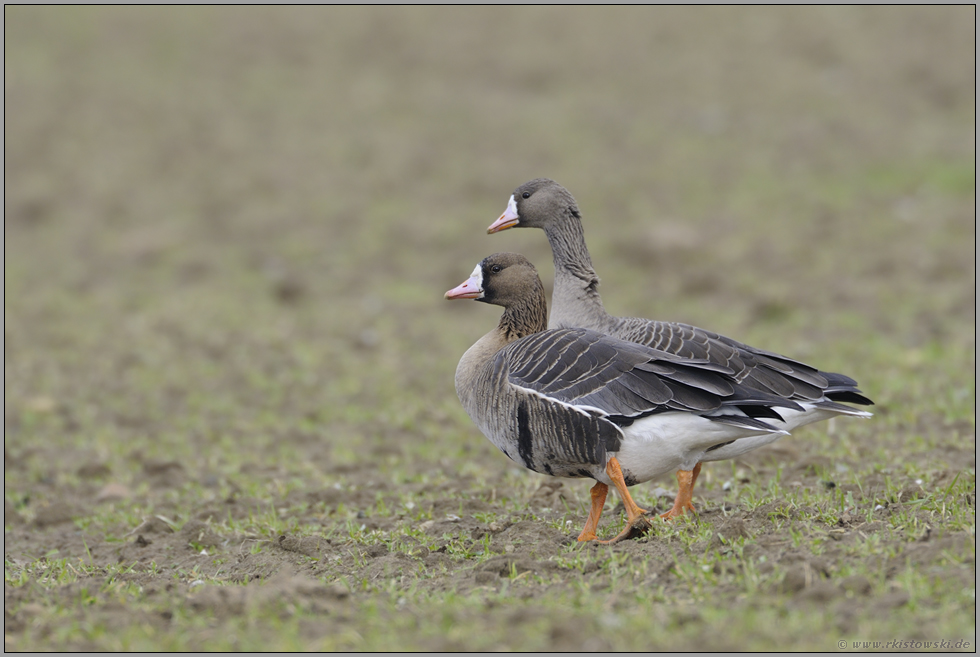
[621, 400]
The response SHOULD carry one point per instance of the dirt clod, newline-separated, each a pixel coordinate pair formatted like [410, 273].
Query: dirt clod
[55, 513]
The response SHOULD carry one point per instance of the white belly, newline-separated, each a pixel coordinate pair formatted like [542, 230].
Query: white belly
[667, 442]
[791, 420]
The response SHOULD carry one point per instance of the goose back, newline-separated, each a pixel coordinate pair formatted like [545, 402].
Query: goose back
[543, 203]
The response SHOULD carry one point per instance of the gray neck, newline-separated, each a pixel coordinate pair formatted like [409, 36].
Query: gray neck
[575, 302]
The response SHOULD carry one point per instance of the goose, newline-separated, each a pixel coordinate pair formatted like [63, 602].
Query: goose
[574, 402]
[543, 203]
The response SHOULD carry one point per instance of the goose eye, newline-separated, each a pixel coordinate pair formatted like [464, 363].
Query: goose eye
[526, 195]
[495, 269]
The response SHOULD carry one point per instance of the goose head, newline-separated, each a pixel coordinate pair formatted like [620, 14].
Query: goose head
[538, 203]
[501, 279]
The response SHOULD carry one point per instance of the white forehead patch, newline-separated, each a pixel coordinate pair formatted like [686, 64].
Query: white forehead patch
[512, 208]
[476, 279]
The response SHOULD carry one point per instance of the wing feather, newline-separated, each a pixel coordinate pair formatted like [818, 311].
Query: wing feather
[758, 369]
[586, 369]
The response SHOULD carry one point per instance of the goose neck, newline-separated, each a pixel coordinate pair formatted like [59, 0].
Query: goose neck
[576, 300]
[526, 317]
[567, 240]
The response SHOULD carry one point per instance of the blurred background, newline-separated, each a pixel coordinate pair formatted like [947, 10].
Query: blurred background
[227, 236]
[234, 226]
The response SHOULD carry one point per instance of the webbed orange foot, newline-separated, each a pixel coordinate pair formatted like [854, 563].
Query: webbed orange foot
[637, 523]
[634, 529]
[598, 493]
[685, 492]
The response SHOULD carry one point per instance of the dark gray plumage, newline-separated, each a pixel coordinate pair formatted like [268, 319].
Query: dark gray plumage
[543, 203]
[565, 402]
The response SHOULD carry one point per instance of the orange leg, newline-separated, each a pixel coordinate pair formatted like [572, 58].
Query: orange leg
[685, 493]
[598, 492]
[637, 524]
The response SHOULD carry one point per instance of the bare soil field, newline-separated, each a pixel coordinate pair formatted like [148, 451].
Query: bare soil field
[229, 414]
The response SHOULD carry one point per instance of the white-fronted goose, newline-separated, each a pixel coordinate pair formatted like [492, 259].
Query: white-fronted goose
[573, 402]
[544, 204]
